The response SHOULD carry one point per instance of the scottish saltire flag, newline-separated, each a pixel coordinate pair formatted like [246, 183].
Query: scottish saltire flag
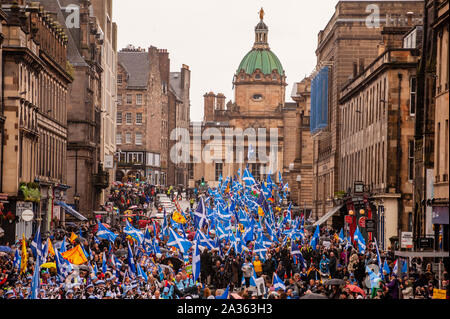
[315, 238]
[221, 233]
[134, 233]
[200, 217]
[104, 265]
[156, 246]
[196, 263]
[141, 273]
[248, 178]
[374, 278]
[404, 267]
[96, 240]
[63, 267]
[395, 269]
[203, 240]
[358, 237]
[386, 267]
[95, 269]
[36, 245]
[341, 236]
[260, 250]
[248, 233]
[63, 246]
[105, 233]
[35, 281]
[17, 259]
[177, 241]
[225, 294]
[277, 282]
[280, 178]
[131, 263]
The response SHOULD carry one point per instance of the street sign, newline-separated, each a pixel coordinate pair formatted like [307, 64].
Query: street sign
[109, 162]
[349, 219]
[407, 240]
[362, 222]
[425, 242]
[370, 225]
[439, 294]
[27, 215]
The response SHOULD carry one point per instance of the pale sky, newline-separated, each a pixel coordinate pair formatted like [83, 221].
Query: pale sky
[213, 36]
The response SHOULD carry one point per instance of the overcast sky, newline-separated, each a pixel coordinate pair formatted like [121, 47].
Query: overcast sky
[212, 36]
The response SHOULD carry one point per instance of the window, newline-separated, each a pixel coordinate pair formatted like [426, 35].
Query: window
[129, 99]
[119, 99]
[258, 76]
[139, 118]
[138, 99]
[118, 138]
[256, 171]
[119, 79]
[257, 97]
[119, 118]
[129, 118]
[219, 170]
[412, 101]
[138, 138]
[128, 138]
[411, 160]
[191, 170]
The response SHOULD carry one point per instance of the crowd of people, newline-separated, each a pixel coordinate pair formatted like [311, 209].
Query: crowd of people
[314, 265]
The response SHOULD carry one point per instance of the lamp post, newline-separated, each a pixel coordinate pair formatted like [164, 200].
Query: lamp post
[76, 199]
[299, 181]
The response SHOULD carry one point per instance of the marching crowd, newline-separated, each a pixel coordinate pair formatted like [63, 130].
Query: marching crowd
[290, 268]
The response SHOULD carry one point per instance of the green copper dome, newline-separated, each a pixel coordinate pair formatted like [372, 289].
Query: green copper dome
[262, 59]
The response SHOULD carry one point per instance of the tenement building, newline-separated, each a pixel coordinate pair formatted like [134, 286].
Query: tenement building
[377, 138]
[34, 103]
[142, 114]
[347, 44]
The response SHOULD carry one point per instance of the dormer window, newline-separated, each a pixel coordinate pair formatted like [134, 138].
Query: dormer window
[274, 77]
[258, 76]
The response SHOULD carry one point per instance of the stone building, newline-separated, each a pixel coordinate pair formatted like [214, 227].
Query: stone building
[34, 100]
[179, 118]
[346, 45]
[259, 106]
[85, 174]
[103, 11]
[377, 138]
[142, 114]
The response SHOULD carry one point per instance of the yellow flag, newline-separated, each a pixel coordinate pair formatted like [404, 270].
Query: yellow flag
[178, 218]
[73, 237]
[50, 247]
[260, 211]
[75, 256]
[23, 263]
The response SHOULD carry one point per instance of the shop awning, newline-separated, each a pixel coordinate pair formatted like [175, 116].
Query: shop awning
[328, 215]
[71, 211]
[424, 254]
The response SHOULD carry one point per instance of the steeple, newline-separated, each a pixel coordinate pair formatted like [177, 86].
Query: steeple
[261, 33]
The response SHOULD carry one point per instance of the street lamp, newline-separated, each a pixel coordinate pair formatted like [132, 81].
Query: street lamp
[299, 180]
[76, 199]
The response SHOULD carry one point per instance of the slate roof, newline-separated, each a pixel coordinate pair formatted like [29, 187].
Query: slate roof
[137, 65]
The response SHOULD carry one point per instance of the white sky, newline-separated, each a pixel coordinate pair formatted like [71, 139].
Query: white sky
[212, 36]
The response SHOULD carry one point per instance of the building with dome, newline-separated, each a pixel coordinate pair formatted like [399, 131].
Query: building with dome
[259, 105]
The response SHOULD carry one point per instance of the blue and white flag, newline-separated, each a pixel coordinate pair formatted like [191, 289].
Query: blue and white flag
[63, 246]
[315, 238]
[141, 273]
[63, 267]
[134, 233]
[179, 242]
[104, 265]
[200, 214]
[395, 269]
[358, 237]
[248, 178]
[225, 294]
[105, 233]
[386, 267]
[36, 245]
[278, 283]
[404, 267]
[35, 281]
[17, 259]
[374, 278]
[196, 262]
[203, 240]
[131, 263]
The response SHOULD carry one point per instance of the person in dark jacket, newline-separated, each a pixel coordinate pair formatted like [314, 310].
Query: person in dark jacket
[332, 264]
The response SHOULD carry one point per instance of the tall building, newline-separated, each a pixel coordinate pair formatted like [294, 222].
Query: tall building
[377, 140]
[35, 87]
[179, 118]
[142, 114]
[103, 11]
[259, 108]
[85, 174]
[347, 44]
[431, 142]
